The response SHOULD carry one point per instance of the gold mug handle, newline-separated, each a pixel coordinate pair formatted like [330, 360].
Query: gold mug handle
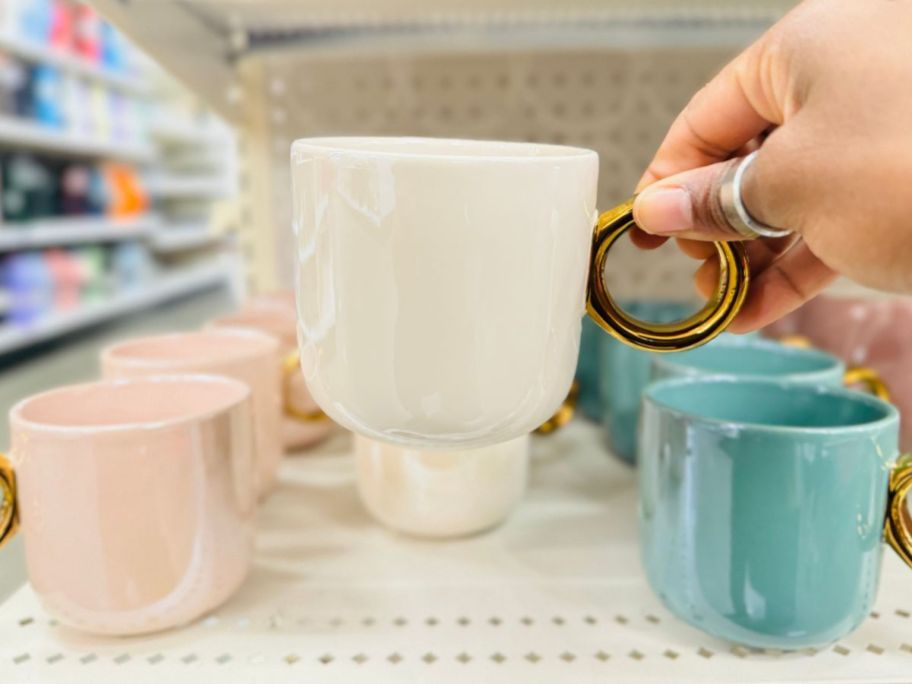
[563, 415]
[290, 367]
[693, 331]
[9, 507]
[898, 525]
[869, 378]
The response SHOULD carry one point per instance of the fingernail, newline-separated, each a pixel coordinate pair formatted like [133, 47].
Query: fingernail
[663, 210]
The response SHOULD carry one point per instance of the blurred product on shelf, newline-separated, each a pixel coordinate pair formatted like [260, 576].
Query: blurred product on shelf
[28, 282]
[35, 187]
[39, 284]
[65, 69]
[69, 27]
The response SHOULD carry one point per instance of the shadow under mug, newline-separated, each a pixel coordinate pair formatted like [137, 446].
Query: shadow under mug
[136, 508]
[441, 282]
[763, 505]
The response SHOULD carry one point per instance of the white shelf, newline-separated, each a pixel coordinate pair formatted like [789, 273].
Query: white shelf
[74, 64]
[175, 187]
[167, 286]
[24, 134]
[71, 231]
[176, 238]
[556, 594]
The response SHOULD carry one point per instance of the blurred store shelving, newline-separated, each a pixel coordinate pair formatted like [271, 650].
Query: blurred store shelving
[110, 177]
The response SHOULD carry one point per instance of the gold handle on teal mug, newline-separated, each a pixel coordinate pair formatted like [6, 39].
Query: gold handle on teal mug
[898, 525]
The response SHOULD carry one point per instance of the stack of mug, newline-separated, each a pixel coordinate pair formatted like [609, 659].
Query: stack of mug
[440, 287]
[148, 480]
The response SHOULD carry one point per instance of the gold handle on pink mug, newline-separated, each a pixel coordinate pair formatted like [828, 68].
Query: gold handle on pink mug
[9, 508]
[869, 378]
[700, 328]
[563, 415]
[290, 368]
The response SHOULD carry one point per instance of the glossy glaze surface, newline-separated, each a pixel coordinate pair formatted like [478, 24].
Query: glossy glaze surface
[762, 506]
[441, 493]
[863, 331]
[441, 283]
[248, 356]
[623, 373]
[752, 358]
[137, 511]
[275, 315]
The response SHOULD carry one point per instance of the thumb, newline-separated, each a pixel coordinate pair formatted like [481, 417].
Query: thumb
[688, 204]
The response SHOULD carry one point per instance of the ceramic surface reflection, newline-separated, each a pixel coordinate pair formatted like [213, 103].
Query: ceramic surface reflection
[441, 283]
[762, 506]
[136, 500]
[248, 356]
[623, 373]
[441, 493]
[275, 315]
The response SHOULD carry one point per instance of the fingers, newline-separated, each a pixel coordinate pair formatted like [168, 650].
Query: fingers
[688, 204]
[783, 284]
[728, 113]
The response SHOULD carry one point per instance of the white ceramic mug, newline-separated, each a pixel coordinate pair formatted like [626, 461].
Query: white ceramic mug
[441, 284]
[135, 500]
[441, 493]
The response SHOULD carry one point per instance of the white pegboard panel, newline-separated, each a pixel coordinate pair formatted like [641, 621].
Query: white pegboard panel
[554, 595]
[616, 101]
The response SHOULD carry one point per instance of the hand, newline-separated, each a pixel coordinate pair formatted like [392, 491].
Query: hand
[826, 96]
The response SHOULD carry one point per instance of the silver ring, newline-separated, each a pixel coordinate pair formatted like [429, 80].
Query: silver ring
[736, 213]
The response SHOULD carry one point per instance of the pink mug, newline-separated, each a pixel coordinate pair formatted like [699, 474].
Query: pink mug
[862, 331]
[303, 423]
[245, 355]
[134, 496]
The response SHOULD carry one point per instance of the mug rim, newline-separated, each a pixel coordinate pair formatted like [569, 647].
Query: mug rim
[890, 414]
[18, 419]
[382, 147]
[668, 362]
[113, 352]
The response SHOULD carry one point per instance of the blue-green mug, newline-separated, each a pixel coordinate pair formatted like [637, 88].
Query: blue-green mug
[754, 357]
[623, 373]
[763, 504]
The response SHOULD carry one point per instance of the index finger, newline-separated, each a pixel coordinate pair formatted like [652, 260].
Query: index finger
[726, 114]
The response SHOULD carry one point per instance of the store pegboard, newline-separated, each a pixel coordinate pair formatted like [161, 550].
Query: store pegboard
[618, 102]
[554, 595]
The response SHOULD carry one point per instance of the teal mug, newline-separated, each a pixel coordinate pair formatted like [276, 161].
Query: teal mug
[754, 357]
[763, 504]
[622, 375]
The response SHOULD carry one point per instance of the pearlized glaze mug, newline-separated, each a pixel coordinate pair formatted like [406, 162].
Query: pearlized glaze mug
[136, 507]
[441, 284]
[249, 356]
[763, 505]
[303, 423]
[441, 494]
